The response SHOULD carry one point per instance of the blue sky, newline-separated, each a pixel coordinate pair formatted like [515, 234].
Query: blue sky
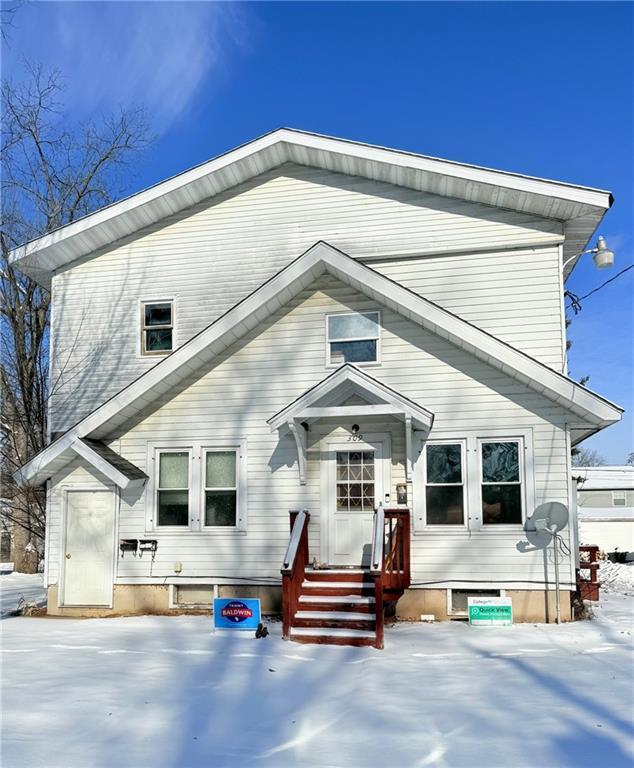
[539, 88]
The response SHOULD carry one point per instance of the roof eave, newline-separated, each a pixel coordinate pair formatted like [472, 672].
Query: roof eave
[38, 257]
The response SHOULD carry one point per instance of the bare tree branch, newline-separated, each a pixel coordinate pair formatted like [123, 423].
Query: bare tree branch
[51, 175]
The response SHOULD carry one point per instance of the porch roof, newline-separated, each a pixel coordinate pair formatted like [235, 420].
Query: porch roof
[329, 397]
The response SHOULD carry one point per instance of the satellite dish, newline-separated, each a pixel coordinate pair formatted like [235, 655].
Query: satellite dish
[542, 528]
[546, 520]
[553, 513]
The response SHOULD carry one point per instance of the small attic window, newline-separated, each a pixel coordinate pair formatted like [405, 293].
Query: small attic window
[619, 498]
[157, 327]
[353, 337]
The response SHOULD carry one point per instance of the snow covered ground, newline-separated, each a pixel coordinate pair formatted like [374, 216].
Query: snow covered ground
[13, 586]
[164, 691]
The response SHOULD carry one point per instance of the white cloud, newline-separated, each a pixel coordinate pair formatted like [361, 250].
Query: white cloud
[155, 54]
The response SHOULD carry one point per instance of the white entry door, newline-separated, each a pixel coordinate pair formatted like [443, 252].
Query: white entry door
[358, 477]
[89, 548]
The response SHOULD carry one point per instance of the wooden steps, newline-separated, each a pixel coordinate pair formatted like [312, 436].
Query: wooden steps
[344, 606]
[337, 607]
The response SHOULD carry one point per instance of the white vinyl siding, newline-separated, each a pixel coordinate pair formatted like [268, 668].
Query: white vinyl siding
[211, 256]
[267, 369]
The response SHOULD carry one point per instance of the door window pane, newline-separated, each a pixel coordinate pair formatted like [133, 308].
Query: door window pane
[355, 481]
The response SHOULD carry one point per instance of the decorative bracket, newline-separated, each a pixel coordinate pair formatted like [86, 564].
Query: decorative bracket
[299, 433]
[409, 460]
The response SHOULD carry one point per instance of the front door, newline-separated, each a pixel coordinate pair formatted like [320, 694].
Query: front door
[357, 484]
[88, 553]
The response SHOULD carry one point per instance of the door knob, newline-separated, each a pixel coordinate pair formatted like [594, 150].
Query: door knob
[68, 555]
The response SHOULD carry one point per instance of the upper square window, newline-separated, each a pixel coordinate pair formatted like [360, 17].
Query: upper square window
[353, 338]
[619, 498]
[157, 327]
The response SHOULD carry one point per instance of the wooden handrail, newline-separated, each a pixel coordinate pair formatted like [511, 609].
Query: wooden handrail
[297, 526]
[390, 563]
[396, 557]
[378, 540]
[294, 567]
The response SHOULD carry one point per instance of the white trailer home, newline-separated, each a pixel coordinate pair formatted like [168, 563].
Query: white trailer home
[605, 507]
[370, 337]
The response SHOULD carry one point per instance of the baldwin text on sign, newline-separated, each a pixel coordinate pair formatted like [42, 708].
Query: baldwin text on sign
[490, 611]
[236, 613]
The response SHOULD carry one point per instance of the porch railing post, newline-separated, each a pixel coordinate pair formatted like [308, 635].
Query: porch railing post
[294, 567]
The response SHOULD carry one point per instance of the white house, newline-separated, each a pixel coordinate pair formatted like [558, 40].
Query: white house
[309, 323]
[605, 499]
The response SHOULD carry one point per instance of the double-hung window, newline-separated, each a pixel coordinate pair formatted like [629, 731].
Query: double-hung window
[220, 488]
[172, 492]
[444, 483]
[198, 487]
[353, 337]
[501, 482]
[157, 327]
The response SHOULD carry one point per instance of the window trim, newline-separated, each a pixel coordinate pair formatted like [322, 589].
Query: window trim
[521, 450]
[141, 351]
[196, 518]
[622, 496]
[157, 489]
[377, 361]
[203, 486]
[463, 465]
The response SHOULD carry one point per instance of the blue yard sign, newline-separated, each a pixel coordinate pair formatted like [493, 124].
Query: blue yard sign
[236, 613]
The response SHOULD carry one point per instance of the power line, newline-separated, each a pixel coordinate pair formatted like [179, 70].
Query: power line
[611, 280]
[576, 300]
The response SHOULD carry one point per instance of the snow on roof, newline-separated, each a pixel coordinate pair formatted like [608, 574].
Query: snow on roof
[604, 478]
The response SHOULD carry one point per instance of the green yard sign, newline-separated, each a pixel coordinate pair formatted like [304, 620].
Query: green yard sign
[490, 611]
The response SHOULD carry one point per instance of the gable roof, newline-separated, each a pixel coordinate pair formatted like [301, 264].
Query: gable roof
[340, 385]
[579, 208]
[589, 408]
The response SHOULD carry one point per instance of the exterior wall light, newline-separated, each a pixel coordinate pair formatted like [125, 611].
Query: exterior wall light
[603, 257]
